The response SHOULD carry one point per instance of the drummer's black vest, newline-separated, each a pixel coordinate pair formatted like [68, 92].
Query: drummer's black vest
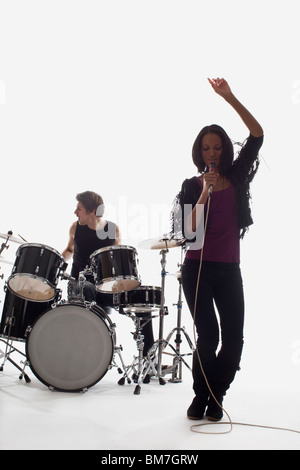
[86, 241]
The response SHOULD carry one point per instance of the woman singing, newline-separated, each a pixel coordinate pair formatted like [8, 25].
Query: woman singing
[224, 194]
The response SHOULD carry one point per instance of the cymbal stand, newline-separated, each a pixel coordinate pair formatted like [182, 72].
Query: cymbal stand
[160, 343]
[4, 245]
[178, 357]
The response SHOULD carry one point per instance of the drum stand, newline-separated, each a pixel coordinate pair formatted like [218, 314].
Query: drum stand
[141, 365]
[9, 349]
[155, 363]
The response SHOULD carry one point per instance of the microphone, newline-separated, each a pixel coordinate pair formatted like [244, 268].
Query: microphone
[212, 167]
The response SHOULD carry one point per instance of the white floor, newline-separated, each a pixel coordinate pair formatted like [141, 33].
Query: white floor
[110, 417]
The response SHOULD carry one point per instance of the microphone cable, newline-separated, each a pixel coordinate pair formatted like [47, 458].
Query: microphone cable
[194, 427]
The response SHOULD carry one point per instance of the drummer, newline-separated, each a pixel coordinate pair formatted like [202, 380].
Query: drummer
[90, 233]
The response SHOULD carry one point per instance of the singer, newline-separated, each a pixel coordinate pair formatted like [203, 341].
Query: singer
[220, 283]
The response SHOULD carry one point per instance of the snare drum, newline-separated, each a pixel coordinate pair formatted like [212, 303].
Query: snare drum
[35, 272]
[115, 268]
[71, 348]
[144, 299]
[18, 314]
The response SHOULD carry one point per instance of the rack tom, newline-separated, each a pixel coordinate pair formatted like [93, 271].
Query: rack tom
[115, 268]
[35, 272]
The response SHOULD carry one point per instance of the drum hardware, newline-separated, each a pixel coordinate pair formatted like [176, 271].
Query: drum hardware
[9, 349]
[163, 244]
[5, 245]
[74, 294]
[9, 237]
[141, 365]
[161, 344]
[155, 354]
[178, 357]
[162, 312]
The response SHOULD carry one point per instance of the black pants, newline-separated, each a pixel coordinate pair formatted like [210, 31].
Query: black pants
[220, 286]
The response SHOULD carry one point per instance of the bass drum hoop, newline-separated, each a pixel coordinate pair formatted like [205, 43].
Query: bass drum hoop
[88, 349]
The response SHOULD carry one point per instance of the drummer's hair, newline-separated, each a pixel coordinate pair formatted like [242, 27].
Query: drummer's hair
[90, 200]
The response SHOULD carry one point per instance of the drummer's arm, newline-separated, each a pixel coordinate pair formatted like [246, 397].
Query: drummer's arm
[118, 236]
[68, 252]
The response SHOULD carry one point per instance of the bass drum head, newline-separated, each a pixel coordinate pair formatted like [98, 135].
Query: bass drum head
[70, 347]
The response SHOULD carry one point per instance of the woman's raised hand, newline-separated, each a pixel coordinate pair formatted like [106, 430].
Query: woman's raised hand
[220, 86]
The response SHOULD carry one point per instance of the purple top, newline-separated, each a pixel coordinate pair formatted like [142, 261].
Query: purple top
[222, 239]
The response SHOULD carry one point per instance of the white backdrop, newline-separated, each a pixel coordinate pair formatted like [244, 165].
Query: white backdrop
[109, 96]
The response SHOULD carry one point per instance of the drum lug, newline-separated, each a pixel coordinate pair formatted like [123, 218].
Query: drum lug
[89, 305]
[28, 330]
[112, 331]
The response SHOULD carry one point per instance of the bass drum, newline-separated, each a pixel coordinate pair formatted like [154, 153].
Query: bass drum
[71, 347]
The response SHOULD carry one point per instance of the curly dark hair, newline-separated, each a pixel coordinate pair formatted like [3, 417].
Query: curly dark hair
[227, 153]
[90, 200]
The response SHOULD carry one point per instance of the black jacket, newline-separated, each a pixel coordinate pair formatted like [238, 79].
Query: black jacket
[240, 174]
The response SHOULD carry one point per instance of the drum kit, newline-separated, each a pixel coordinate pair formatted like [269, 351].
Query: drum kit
[71, 344]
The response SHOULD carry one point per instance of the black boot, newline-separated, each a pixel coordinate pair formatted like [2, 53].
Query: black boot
[214, 410]
[197, 408]
[223, 376]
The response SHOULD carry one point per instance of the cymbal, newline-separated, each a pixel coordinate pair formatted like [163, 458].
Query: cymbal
[159, 243]
[3, 260]
[11, 238]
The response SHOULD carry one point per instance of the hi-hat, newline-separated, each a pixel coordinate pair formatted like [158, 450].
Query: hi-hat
[9, 236]
[162, 243]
